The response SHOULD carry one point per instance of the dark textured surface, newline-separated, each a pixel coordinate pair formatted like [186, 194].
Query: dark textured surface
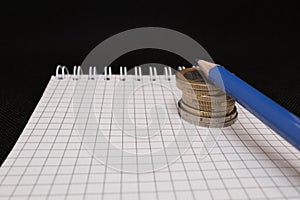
[16, 106]
[258, 41]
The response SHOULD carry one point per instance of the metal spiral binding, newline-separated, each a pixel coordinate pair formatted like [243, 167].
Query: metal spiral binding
[168, 73]
[92, 73]
[138, 73]
[180, 68]
[153, 73]
[77, 72]
[123, 77]
[107, 74]
[63, 69]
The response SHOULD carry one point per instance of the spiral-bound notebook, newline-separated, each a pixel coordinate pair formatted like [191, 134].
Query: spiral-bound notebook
[120, 137]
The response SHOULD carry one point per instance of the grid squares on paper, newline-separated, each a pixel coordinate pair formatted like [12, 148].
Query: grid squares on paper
[51, 160]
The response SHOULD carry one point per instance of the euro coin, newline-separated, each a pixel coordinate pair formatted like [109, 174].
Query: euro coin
[202, 103]
[215, 122]
[205, 113]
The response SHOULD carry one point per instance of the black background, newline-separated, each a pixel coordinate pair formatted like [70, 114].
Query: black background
[258, 41]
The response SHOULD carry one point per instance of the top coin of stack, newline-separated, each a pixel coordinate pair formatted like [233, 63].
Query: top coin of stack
[202, 103]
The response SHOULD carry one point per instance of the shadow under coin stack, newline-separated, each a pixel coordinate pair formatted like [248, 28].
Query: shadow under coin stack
[203, 104]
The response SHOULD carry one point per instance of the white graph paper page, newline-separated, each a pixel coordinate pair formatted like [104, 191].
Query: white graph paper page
[61, 153]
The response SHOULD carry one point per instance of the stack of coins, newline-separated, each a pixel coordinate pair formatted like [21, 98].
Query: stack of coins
[202, 103]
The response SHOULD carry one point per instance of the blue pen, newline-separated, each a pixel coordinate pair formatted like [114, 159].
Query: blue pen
[286, 124]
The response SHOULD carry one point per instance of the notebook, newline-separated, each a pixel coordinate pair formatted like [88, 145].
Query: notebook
[104, 136]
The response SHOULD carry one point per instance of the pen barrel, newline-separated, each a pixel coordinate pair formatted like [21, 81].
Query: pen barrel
[269, 112]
